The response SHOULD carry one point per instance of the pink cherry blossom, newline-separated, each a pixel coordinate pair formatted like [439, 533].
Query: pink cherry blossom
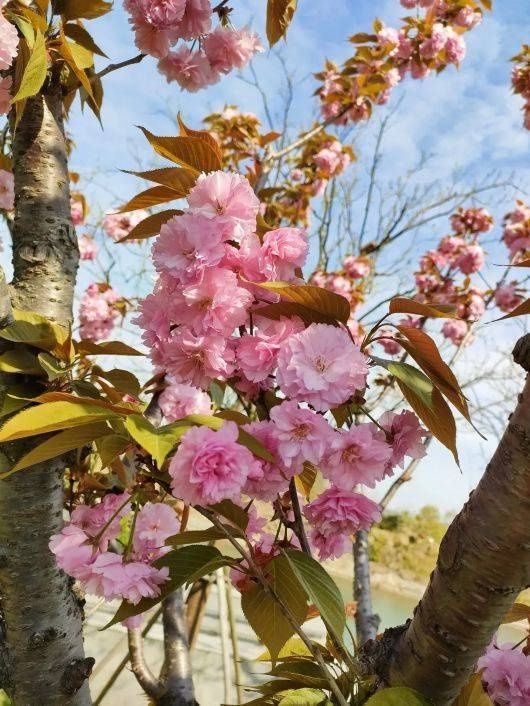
[507, 297]
[8, 42]
[455, 47]
[190, 69]
[5, 94]
[72, 551]
[302, 435]
[187, 244]
[228, 198]
[388, 342]
[257, 354]
[88, 249]
[405, 434]
[210, 466]
[471, 220]
[161, 14]
[178, 400]
[197, 359]
[359, 455]
[228, 48]
[321, 366]
[471, 259]
[266, 479]
[468, 18]
[150, 40]
[456, 331]
[335, 516]
[7, 190]
[119, 225]
[245, 259]
[111, 577]
[197, 19]
[97, 313]
[356, 267]
[102, 520]
[215, 302]
[282, 251]
[77, 211]
[154, 524]
[506, 673]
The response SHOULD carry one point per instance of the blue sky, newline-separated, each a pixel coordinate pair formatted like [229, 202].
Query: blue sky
[467, 121]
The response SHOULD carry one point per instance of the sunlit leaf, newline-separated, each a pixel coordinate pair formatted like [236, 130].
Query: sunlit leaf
[150, 197]
[312, 304]
[191, 152]
[521, 310]
[52, 416]
[203, 135]
[179, 179]
[59, 444]
[85, 9]
[520, 611]
[150, 226]
[67, 51]
[473, 694]
[401, 305]
[35, 70]
[279, 16]
[83, 38]
[158, 442]
[413, 378]
[35, 330]
[20, 360]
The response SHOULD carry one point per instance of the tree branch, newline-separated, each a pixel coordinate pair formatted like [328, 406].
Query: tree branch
[366, 621]
[144, 676]
[483, 564]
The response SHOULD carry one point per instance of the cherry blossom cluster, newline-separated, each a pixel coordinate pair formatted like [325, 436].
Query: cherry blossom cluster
[521, 81]
[159, 25]
[457, 254]
[424, 43]
[87, 548]
[516, 235]
[118, 225]
[321, 158]
[506, 675]
[239, 134]
[202, 323]
[100, 306]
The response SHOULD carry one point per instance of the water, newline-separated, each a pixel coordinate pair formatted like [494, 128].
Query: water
[394, 609]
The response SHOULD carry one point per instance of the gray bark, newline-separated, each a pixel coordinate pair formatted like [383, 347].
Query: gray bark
[42, 661]
[366, 621]
[483, 564]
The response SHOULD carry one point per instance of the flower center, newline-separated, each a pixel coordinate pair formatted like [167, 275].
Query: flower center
[301, 431]
[349, 454]
[321, 364]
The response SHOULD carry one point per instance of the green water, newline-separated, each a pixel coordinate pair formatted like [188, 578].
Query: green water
[394, 609]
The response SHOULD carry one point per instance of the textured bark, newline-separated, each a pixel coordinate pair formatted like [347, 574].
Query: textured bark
[484, 562]
[176, 673]
[366, 621]
[42, 662]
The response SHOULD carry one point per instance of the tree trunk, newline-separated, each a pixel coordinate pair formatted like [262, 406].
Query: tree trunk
[43, 660]
[484, 563]
[366, 621]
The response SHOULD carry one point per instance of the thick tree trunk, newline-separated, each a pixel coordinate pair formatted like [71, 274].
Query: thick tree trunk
[366, 621]
[43, 660]
[484, 562]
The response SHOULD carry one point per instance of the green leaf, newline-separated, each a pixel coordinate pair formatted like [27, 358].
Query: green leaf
[110, 447]
[412, 378]
[59, 444]
[198, 536]
[304, 697]
[20, 360]
[122, 380]
[312, 304]
[279, 16]
[321, 589]
[184, 564]
[35, 70]
[303, 671]
[398, 696]
[36, 330]
[158, 442]
[264, 613]
[51, 366]
[231, 512]
[52, 416]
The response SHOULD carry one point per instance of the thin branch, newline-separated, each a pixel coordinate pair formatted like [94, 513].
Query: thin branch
[298, 527]
[371, 185]
[144, 676]
[121, 65]
[234, 641]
